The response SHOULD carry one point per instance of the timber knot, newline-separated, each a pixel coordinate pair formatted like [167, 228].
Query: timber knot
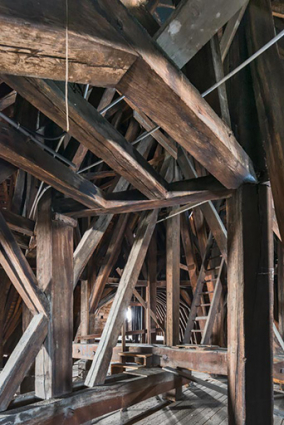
[119, 24]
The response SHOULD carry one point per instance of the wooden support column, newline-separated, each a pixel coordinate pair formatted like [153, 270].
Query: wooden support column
[250, 303]
[55, 277]
[280, 276]
[84, 325]
[173, 280]
[151, 290]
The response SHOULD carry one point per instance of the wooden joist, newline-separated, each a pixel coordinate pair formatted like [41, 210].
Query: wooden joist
[192, 25]
[21, 359]
[100, 365]
[33, 41]
[93, 131]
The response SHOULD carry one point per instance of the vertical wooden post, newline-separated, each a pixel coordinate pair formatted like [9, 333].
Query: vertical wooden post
[281, 288]
[55, 277]
[173, 280]
[250, 301]
[85, 294]
[151, 290]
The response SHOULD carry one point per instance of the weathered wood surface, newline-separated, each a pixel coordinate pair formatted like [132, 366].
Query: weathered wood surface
[122, 299]
[269, 93]
[192, 25]
[93, 131]
[92, 403]
[33, 42]
[250, 305]
[21, 359]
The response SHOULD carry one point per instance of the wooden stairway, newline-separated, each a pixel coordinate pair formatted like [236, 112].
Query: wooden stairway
[206, 296]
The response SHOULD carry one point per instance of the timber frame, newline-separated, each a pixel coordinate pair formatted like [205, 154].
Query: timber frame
[140, 222]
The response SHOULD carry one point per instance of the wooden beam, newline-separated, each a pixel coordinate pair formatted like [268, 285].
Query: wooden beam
[280, 282]
[173, 280]
[93, 235]
[21, 359]
[194, 191]
[108, 262]
[19, 223]
[203, 359]
[164, 141]
[34, 43]
[19, 271]
[230, 31]
[55, 277]
[92, 403]
[151, 289]
[192, 25]
[93, 131]
[269, 94]
[122, 299]
[28, 156]
[250, 305]
[187, 118]
[209, 211]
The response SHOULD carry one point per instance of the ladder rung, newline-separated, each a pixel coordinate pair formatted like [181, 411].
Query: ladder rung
[196, 330]
[204, 305]
[207, 292]
[201, 318]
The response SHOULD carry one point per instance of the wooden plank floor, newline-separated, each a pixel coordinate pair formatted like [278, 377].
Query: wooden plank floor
[199, 406]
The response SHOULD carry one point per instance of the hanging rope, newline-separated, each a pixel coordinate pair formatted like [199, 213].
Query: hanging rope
[66, 70]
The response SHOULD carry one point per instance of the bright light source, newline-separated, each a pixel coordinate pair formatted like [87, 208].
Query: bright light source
[129, 314]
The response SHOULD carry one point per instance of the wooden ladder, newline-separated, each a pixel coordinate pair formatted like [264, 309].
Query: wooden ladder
[206, 297]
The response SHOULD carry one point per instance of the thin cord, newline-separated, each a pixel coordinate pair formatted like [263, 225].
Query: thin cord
[67, 71]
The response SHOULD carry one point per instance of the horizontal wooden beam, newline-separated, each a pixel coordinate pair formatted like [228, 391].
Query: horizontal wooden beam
[200, 359]
[192, 191]
[93, 131]
[31, 158]
[89, 404]
[33, 43]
